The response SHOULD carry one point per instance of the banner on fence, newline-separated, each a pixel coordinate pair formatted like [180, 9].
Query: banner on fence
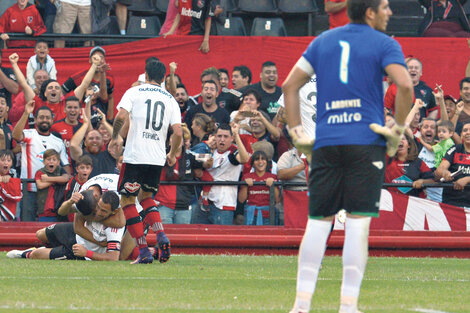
[397, 212]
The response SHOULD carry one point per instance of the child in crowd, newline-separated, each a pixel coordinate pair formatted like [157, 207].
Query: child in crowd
[10, 188]
[40, 61]
[50, 181]
[257, 197]
[83, 168]
[445, 131]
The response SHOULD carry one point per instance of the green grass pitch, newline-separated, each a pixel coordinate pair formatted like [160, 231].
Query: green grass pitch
[207, 283]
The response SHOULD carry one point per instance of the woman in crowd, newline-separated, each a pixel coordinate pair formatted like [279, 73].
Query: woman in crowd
[203, 126]
[406, 167]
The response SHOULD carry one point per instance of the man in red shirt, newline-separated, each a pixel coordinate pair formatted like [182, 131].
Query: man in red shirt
[51, 91]
[193, 18]
[336, 9]
[22, 17]
[101, 77]
[69, 125]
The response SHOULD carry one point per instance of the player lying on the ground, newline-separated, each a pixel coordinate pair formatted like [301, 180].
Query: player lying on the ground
[98, 242]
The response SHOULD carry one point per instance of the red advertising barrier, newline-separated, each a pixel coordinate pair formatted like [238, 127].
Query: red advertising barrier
[397, 212]
[444, 59]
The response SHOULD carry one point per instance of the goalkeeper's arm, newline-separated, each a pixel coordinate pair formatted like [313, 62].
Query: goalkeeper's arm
[403, 101]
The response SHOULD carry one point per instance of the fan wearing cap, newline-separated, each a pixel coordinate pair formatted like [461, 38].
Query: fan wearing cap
[102, 77]
[101, 243]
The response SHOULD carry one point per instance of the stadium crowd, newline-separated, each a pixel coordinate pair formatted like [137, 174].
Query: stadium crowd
[58, 134]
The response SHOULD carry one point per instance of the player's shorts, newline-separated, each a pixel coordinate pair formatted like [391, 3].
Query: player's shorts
[346, 177]
[133, 177]
[61, 238]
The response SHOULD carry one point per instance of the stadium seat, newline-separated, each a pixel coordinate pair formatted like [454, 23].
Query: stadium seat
[320, 6]
[114, 26]
[404, 26]
[268, 27]
[162, 5]
[229, 6]
[406, 8]
[307, 7]
[143, 25]
[233, 26]
[258, 6]
[142, 7]
[297, 6]
[320, 24]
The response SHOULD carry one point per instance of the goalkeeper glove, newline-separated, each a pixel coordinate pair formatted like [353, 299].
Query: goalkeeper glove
[392, 135]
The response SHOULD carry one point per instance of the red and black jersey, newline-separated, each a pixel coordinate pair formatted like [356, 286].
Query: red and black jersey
[66, 131]
[7, 131]
[10, 194]
[178, 197]
[407, 172]
[58, 109]
[193, 16]
[15, 20]
[48, 197]
[76, 79]
[459, 159]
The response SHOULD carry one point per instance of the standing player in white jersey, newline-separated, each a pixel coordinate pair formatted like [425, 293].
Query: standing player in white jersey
[151, 110]
[348, 158]
[308, 106]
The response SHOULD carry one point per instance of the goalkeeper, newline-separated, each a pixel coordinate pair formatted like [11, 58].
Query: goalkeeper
[348, 157]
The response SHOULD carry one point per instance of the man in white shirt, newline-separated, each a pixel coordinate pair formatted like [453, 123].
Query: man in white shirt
[33, 144]
[150, 110]
[226, 166]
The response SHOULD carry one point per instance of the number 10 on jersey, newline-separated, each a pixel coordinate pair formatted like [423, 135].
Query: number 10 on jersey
[155, 114]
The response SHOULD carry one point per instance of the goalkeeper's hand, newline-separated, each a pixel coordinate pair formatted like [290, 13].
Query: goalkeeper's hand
[301, 141]
[392, 135]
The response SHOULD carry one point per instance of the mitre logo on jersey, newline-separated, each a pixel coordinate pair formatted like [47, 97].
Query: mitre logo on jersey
[13, 20]
[191, 13]
[132, 187]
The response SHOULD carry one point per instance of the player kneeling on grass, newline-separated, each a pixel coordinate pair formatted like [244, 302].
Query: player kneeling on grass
[96, 242]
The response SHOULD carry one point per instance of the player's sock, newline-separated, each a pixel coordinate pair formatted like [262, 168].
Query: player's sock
[152, 216]
[311, 254]
[355, 252]
[134, 254]
[134, 225]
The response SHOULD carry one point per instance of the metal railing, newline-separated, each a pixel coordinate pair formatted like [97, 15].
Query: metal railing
[272, 200]
[78, 38]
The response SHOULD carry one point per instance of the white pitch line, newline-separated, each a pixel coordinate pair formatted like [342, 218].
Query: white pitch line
[428, 311]
[215, 278]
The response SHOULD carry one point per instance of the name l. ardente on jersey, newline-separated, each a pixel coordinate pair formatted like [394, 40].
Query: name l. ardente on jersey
[189, 12]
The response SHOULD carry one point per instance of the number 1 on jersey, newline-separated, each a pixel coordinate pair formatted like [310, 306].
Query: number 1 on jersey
[343, 67]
